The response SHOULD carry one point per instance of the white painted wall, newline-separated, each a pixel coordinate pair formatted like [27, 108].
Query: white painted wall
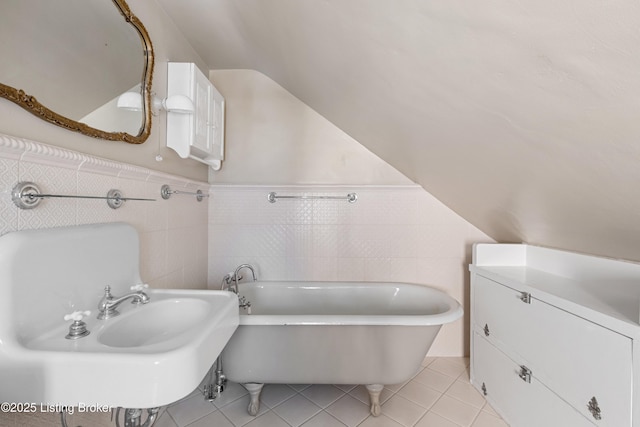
[273, 137]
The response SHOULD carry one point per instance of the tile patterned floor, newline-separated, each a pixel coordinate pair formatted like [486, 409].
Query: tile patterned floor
[440, 395]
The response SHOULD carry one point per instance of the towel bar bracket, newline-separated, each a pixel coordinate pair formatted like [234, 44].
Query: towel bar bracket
[166, 192]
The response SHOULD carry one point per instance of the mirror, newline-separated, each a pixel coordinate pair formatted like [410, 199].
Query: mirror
[68, 62]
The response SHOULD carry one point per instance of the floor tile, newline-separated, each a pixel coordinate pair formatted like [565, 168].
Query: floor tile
[191, 409]
[322, 395]
[434, 379]
[420, 394]
[427, 361]
[231, 393]
[484, 419]
[274, 394]
[362, 394]
[395, 387]
[435, 397]
[323, 419]
[346, 387]
[380, 421]
[269, 419]
[434, 420]
[466, 393]
[236, 411]
[451, 367]
[164, 420]
[297, 410]
[349, 410]
[403, 411]
[455, 410]
[299, 387]
[488, 408]
[214, 419]
[465, 376]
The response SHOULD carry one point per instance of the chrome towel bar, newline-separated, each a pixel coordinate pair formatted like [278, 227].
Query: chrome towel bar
[351, 197]
[166, 192]
[27, 195]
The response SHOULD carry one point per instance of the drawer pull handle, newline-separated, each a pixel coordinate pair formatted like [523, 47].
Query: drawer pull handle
[594, 408]
[525, 297]
[486, 330]
[525, 374]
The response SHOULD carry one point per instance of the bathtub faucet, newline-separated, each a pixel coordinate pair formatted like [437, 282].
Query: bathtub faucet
[236, 277]
[230, 281]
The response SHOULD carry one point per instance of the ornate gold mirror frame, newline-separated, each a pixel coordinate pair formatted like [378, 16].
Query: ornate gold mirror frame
[30, 103]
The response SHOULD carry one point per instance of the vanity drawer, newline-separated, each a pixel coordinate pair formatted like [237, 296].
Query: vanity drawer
[520, 403]
[577, 359]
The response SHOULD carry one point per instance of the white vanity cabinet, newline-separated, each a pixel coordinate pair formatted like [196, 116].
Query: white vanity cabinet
[553, 336]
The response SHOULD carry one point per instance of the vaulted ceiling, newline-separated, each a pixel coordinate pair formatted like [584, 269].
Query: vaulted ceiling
[522, 116]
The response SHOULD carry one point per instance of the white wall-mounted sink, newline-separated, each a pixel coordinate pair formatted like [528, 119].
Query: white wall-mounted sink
[150, 355]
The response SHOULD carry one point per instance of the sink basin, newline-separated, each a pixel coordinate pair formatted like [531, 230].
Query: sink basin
[154, 323]
[148, 356]
[165, 347]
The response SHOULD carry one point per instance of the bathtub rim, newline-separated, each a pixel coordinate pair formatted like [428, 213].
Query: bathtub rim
[453, 313]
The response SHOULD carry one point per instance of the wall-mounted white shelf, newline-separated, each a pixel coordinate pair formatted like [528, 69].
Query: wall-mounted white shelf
[198, 135]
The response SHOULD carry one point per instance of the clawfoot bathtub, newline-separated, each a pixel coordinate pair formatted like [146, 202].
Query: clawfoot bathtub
[369, 333]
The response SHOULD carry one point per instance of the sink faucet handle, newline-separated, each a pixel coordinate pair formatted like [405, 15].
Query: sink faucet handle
[139, 287]
[78, 328]
[77, 315]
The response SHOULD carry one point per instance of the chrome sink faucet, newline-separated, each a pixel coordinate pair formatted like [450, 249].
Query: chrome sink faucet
[108, 304]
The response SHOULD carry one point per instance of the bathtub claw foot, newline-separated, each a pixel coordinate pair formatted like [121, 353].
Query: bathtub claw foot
[374, 398]
[253, 408]
[254, 390]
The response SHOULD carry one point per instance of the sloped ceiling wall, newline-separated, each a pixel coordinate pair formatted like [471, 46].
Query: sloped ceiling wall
[273, 138]
[522, 116]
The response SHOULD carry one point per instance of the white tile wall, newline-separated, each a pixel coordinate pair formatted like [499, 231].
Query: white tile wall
[394, 233]
[173, 234]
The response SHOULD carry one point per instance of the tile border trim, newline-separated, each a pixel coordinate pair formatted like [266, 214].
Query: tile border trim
[21, 149]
